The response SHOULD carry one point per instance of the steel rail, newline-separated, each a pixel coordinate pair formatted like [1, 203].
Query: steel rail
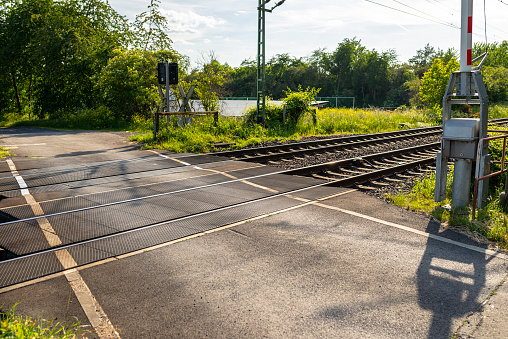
[335, 147]
[316, 145]
[334, 164]
[381, 173]
[288, 149]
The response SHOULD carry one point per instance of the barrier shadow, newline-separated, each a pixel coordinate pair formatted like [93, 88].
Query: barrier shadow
[450, 280]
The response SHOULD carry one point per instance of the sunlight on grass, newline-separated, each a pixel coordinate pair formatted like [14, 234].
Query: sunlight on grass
[4, 152]
[15, 326]
[490, 222]
[202, 134]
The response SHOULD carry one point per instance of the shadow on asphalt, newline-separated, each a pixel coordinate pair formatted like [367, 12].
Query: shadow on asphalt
[117, 149]
[449, 283]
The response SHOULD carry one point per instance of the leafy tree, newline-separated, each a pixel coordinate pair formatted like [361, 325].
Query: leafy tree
[496, 82]
[342, 67]
[318, 72]
[424, 58]
[413, 90]
[371, 77]
[51, 50]
[150, 30]
[209, 82]
[498, 53]
[283, 71]
[241, 81]
[398, 93]
[127, 84]
[435, 80]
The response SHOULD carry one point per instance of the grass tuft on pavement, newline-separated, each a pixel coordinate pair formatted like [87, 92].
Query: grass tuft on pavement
[16, 326]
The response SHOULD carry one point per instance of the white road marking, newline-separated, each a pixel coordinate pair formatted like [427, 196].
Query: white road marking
[174, 159]
[412, 230]
[96, 315]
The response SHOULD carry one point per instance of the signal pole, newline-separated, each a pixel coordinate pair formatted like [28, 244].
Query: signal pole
[461, 136]
[466, 35]
[261, 73]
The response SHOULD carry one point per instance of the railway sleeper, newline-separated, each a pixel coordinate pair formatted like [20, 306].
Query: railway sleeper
[396, 162]
[379, 183]
[317, 176]
[393, 179]
[420, 172]
[363, 187]
[367, 170]
[338, 174]
[404, 176]
[351, 171]
[379, 164]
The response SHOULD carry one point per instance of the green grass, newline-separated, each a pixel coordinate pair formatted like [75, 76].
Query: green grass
[358, 121]
[15, 326]
[490, 223]
[81, 119]
[4, 152]
[202, 134]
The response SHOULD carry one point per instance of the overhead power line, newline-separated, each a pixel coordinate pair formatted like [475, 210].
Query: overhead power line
[428, 16]
[443, 6]
[504, 3]
[415, 9]
[418, 16]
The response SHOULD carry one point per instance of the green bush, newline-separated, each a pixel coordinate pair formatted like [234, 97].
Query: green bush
[496, 82]
[298, 103]
[273, 116]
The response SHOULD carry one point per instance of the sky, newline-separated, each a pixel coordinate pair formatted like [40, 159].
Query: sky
[228, 28]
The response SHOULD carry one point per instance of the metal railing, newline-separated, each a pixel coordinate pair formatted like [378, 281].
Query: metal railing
[502, 162]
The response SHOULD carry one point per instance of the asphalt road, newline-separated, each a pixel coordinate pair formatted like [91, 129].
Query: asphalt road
[350, 266]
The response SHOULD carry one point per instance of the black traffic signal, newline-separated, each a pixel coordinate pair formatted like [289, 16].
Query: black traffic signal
[173, 73]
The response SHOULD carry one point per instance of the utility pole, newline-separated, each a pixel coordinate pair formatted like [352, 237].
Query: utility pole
[261, 73]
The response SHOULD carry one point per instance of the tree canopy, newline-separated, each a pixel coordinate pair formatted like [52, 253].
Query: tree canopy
[63, 58]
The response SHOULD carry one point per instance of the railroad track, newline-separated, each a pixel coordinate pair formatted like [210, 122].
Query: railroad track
[299, 149]
[389, 166]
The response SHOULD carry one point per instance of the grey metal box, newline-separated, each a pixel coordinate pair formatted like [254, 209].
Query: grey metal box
[462, 129]
[456, 149]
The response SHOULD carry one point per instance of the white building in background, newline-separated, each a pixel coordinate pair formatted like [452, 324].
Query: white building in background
[231, 108]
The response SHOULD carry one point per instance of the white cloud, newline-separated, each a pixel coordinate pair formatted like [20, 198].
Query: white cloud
[299, 27]
[190, 21]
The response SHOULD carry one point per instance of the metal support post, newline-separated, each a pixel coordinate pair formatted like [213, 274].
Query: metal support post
[461, 182]
[167, 93]
[441, 177]
[261, 74]
[460, 136]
